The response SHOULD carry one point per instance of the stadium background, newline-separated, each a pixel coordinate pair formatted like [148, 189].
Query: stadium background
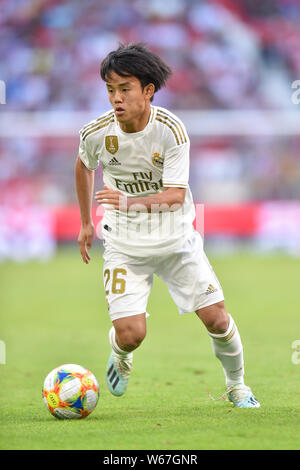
[234, 63]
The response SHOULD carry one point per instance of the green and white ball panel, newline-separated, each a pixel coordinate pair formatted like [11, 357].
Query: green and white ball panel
[69, 389]
[91, 399]
[63, 413]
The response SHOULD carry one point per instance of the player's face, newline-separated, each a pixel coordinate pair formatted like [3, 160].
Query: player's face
[130, 101]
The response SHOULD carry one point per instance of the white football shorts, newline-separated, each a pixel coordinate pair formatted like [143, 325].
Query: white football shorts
[188, 274]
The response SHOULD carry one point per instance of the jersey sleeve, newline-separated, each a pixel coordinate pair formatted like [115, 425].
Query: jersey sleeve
[86, 154]
[176, 166]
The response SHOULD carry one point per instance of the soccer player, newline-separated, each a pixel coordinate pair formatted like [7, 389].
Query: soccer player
[148, 221]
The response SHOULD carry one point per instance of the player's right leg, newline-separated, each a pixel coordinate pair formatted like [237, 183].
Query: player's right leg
[128, 282]
[125, 336]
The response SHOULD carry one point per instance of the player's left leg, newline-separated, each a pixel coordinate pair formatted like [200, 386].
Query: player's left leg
[228, 348]
[226, 341]
[194, 287]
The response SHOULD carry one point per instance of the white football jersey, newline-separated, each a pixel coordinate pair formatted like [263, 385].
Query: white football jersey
[140, 164]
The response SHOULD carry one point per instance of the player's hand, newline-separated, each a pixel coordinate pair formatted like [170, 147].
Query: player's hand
[85, 238]
[111, 199]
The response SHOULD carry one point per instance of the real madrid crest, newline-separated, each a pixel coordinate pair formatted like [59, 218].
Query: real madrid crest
[157, 160]
[111, 143]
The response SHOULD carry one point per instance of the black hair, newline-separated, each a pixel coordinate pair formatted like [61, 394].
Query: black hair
[137, 61]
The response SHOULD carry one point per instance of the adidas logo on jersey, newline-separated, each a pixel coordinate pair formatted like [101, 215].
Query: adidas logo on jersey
[114, 161]
[210, 289]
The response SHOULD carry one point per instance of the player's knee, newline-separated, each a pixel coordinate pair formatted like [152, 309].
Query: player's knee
[130, 337]
[130, 340]
[215, 318]
[219, 321]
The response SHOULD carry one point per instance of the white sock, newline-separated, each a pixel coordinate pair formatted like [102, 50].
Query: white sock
[114, 345]
[228, 349]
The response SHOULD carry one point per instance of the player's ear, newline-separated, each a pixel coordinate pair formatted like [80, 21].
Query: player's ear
[149, 90]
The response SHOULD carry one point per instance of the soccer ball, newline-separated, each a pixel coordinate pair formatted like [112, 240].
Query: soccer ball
[70, 392]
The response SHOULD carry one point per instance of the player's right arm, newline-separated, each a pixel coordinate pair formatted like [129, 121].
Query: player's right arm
[84, 179]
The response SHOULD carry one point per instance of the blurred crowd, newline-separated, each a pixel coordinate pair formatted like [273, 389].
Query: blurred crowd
[225, 54]
[221, 52]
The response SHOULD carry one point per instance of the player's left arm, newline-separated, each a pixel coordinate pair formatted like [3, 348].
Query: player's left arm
[171, 199]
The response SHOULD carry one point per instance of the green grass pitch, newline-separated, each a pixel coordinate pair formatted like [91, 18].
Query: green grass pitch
[54, 313]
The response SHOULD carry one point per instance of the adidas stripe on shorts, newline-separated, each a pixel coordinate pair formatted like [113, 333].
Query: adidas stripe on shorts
[188, 274]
